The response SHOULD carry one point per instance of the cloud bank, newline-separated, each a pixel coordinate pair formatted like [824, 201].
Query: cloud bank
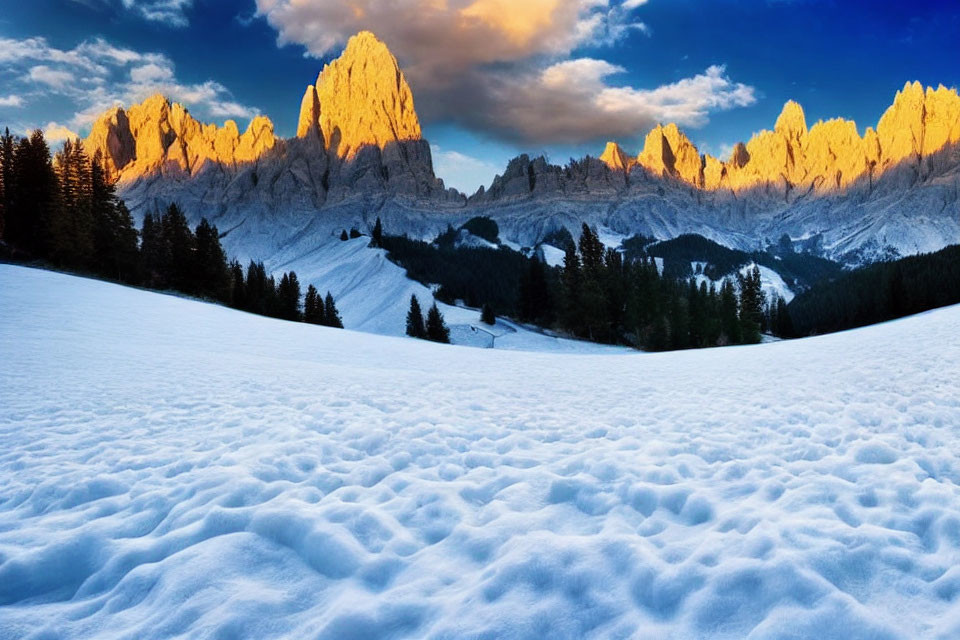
[508, 68]
[96, 75]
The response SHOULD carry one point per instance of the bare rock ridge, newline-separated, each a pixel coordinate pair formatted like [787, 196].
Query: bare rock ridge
[793, 159]
[157, 136]
[359, 154]
[358, 122]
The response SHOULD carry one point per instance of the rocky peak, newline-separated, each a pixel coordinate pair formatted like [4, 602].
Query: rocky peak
[614, 157]
[830, 155]
[157, 135]
[365, 99]
[667, 151]
[309, 121]
[792, 124]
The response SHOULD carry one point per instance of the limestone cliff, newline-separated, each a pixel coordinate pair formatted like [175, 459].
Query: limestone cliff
[157, 136]
[365, 99]
[357, 135]
[793, 160]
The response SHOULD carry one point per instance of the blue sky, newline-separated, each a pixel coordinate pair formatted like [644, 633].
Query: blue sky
[491, 78]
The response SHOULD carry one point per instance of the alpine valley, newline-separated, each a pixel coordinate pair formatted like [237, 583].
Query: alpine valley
[822, 190]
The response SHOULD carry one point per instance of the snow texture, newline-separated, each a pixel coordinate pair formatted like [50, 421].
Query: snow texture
[172, 469]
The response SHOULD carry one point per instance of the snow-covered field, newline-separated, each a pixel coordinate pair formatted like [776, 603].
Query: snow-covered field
[175, 469]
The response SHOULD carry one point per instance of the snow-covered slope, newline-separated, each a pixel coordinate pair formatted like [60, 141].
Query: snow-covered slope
[175, 469]
[373, 295]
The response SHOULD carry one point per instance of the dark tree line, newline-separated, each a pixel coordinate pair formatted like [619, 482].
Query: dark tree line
[606, 298]
[879, 292]
[64, 212]
[598, 294]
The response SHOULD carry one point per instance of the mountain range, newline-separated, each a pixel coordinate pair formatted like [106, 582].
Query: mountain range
[359, 154]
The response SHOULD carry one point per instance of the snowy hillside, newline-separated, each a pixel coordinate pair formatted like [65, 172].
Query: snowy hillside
[170, 468]
[373, 295]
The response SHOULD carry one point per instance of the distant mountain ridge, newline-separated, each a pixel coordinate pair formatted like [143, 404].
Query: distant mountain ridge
[359, 154]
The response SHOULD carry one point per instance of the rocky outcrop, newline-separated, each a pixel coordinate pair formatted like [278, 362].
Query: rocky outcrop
[365, 99]
[616, 158]
[156, 136]
[309, 122]
[792, 160]
[357, 136]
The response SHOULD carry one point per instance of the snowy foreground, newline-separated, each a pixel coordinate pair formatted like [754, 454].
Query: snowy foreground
[175, 469]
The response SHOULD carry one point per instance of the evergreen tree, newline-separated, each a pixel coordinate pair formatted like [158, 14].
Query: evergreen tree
[114, 236]
[535, 303]
[35, 198]
[288, 297]
[437, 330]
[571, 317]
[415, 324]
[212, 274]
[259, 290]
[331, 317]
[238, 297]
[355, 233]
[343, 236]
[71, 230]
[154, 253]
[782, 325]
[7, 145]
[377, 240]
[313, 306]
[730, 328]
[181, 268]
[487, 316]
[751, 305]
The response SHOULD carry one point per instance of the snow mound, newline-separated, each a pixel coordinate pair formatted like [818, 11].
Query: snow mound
[175, 469]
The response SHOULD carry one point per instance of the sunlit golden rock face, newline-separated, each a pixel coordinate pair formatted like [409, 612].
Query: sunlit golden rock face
[616, 158]
[309, 122]
[365, 99]
[158, 135]
[667, 152]
[828, 156]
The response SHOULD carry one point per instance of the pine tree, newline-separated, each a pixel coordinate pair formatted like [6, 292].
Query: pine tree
[571, 279]
[535, 302]
[751, 305]
[212, 274]
[355, 233]
[415, 324]
[784, 325]
[180, 242]
[313, 306]
[343, 236]
[437, 330]
[288, 297]
[377, 240]
[730, 328]
[238, 297]
[331, 317]
[7, 143]
[35, 200]
[115, 253]
[487, 316]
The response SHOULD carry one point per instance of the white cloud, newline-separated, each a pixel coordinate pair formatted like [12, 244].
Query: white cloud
[11, 101]
[169, 12]
[464, 173]
[50, 77]
[96, 75]
[54, 132]
[509, 68]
